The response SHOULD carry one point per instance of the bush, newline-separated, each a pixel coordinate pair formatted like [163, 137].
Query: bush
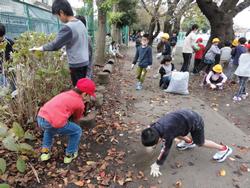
[38, 76]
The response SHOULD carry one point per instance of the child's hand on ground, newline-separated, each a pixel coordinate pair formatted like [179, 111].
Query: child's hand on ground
[219, 84]
[212, 86]
[36, 49]
[149, 67]
[155, 170]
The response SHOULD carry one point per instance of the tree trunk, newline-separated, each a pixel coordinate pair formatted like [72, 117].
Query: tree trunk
[167, 26]
[151, 30]
[177, 24]
[100, 39]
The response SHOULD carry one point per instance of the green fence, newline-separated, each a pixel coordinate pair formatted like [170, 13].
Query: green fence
[19, 17]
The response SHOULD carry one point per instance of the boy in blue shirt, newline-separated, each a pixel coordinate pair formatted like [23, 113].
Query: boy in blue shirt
[144, 58]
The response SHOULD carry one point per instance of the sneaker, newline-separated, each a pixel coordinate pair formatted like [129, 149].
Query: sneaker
[69, 157]
[221, 156]
[235, 98]
[184, 145]
[45, 154]
[244, 96]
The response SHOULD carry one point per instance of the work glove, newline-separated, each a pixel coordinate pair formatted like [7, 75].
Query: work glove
[155, 170]
[212, 86]
[149, 67]
[132, 66]
[158, 55]
[219, 84]
[36, 49]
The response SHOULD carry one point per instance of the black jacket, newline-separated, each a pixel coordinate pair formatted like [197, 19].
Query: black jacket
[172, 125]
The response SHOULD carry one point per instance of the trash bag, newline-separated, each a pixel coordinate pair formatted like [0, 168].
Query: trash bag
[179, 83]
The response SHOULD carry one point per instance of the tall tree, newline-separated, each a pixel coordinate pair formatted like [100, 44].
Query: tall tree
[101, 34]
[155, 15]
[220, 15]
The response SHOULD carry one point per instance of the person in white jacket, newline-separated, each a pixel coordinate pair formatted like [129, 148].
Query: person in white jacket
[243, 72]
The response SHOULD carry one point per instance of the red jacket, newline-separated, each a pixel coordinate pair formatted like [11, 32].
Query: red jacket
[58, 110]
[200, 52]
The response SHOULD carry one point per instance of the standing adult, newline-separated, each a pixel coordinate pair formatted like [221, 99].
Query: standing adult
[188, 47]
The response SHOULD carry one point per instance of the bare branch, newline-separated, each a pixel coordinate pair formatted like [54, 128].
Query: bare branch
[146, 8]
[241, 6]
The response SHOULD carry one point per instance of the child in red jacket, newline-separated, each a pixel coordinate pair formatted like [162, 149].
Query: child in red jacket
[54, 116]
[199, 49]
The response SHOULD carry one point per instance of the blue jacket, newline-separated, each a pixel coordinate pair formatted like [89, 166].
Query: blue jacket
[240, 49]
[143, 56]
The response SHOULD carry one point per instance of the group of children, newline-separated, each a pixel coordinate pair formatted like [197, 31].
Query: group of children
[233, 58]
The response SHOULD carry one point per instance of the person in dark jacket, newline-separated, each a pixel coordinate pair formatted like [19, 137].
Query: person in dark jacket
[144, 58]
[6, 46]
[173, 41]
[138, 39]
[179, 124]
[166, 45]
[5, 55]
[166, 71]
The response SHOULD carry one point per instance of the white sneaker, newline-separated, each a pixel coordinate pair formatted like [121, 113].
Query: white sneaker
[235, 98]
[184, 145]
[221, 156]
[244, 96]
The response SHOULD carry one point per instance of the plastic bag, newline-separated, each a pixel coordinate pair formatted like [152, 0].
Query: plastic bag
[179, 83]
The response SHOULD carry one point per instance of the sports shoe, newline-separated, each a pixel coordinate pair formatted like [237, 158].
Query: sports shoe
[235, 98]
[244, 96]
[138, 86]
[45, 154]
[69, 157]
[221, 156]
[184, 145]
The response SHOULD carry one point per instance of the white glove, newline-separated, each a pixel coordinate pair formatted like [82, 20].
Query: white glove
[36, 49]
[158, 56]
[212, 86]
[219, 84]
[149, 67]
[155, 170]
[132, 66]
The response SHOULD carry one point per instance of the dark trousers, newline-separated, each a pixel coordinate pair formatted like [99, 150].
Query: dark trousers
[187, 59]
[205, 66]
[242, 88]
[78, 73]
[197, 63]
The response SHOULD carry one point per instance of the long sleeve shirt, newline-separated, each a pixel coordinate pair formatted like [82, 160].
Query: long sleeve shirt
[215, 76]
[172, 125]
[59, 109]
[143, 56]
[74, 36]
[212, 52]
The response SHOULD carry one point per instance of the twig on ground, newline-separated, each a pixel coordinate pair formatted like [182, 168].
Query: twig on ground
[35, 173]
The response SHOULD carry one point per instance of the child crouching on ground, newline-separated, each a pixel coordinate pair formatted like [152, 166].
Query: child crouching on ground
[54, 116]
[243, 72]
[144, 58]
[166, 71]
[215, 78]
[179, 124]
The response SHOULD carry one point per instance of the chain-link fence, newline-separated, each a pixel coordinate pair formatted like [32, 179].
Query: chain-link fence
[19, 17]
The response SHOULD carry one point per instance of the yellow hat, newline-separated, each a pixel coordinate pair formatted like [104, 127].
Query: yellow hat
[217, 68]
[165, 36]
[235, 42]
[215, 40]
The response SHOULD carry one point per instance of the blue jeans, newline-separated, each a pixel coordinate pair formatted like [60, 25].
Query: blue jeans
[72, 130]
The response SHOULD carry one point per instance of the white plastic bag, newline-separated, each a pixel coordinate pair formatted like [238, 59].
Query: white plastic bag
[178, 83]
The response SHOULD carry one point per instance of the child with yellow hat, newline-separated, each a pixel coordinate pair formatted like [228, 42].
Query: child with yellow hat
[216, 78]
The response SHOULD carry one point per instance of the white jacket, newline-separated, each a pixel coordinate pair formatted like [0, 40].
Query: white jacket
[189, 42]
[244, 65]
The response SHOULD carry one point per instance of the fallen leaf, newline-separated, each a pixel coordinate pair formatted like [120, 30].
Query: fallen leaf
[244, 168]
[222, 172]
[178, 184]
[90, 163]
[178, 164]
[232, 159]
[128, 180]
